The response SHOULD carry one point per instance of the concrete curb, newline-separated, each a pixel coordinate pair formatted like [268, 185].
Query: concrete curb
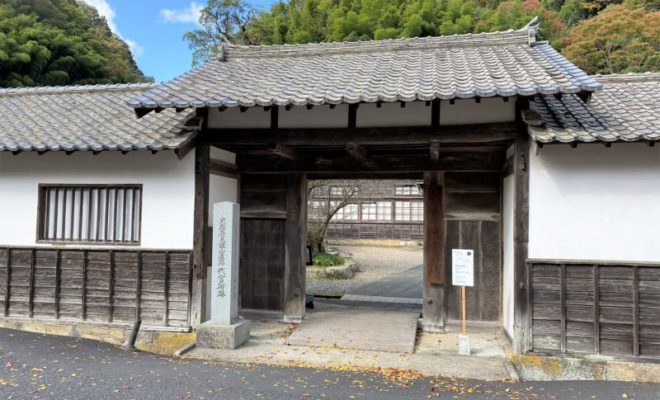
[184, 349]
[532, 367]
[511, 370]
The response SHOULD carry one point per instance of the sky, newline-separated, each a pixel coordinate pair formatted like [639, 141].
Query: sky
[153, 30]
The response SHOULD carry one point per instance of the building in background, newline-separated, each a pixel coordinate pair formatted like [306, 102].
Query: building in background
[382, 209]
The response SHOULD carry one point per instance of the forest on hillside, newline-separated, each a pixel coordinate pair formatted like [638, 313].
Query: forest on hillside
[600, 36]
[60, 42]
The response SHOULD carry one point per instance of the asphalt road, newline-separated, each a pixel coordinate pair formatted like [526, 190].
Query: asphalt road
[47, 367]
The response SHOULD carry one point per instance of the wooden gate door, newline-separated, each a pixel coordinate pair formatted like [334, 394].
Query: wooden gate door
[262, 260]
[472, 221]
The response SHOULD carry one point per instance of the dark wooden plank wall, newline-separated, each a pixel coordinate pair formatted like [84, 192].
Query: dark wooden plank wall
[263, 221]
[609, 309]
[96, 285]
[379, 230]
[472, 221]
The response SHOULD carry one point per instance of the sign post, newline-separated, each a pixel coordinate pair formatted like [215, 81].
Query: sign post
[463, 276]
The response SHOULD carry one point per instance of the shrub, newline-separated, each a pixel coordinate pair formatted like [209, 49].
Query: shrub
[327, 260]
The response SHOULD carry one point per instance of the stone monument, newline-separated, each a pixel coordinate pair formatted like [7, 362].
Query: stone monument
[224, 330]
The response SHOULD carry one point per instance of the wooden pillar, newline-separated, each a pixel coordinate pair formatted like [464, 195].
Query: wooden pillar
[522, 336]
[434, 252]
[198, 295]
[295, 244]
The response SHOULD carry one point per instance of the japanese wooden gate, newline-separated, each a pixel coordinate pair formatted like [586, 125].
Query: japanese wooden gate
[462, 168]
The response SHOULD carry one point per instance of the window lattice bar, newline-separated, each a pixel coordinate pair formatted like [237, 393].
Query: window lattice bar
[90, 213]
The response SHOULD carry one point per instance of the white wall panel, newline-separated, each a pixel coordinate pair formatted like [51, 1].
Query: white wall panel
[595, 203]
[168, 191]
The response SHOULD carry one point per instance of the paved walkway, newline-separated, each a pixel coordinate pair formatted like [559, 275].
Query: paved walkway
[354, 327]
[48, 367]
[376, 264]
[403, 287]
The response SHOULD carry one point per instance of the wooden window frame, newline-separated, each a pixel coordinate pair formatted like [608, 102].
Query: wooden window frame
[42, 214]
[412, 189]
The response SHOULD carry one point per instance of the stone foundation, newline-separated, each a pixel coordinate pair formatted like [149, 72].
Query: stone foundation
[154, 341]
[216, 336]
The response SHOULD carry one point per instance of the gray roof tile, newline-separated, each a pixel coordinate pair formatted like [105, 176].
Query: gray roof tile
[92, 118]
[458, 66]
[627, 109]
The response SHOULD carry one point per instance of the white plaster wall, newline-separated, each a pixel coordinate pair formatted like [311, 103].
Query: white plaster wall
[595, 203]
[468, 111]
[168, 191]
[233, 118]
[222, 155]
[415, 113]
[317, 117]
[221, 189]
[508, 195]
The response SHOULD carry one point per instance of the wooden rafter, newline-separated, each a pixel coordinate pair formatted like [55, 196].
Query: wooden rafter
[284, 151]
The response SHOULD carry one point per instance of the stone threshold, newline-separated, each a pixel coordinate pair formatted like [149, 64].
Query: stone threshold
[381, 299]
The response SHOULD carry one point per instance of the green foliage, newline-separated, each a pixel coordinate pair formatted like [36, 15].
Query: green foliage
[327, 260]
[616, 40]
[303, 21]
[59, 42]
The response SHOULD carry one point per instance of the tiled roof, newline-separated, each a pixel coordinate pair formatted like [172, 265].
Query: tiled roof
[460, 66]
[627, 109]
[96, 118]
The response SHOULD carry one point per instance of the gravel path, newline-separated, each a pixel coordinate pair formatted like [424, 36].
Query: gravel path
[375, 263]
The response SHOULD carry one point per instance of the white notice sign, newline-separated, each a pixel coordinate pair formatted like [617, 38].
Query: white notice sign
[462, 267]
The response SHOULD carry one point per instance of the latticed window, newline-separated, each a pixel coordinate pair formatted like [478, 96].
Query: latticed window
[409, 211]
[90, 213]
[379, 211]
[340, 191]
[407, 190]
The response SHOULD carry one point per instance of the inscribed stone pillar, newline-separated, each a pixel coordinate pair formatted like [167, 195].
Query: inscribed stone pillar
[224, 279]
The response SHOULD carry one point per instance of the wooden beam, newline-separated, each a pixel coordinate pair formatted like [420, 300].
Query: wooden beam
[360, 155]
[352, 115]
[435, 113]
[283, 151]
[465, 134]
[365, 175]
[274, 117]
[434, 150]
[187, 146]
[343, 163]
[7, 282]
[295, 244]
[222, 168]
[433, 312]
[522, 337]
[198, 298]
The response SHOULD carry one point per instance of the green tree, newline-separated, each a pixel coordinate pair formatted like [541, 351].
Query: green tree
[302, 21]
[616, 40]
[221, 21]
[58, 42]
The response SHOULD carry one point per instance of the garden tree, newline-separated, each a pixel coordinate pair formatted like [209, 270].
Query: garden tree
[221, 21]
[325, 198]
[58, 42]
[616, 40]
